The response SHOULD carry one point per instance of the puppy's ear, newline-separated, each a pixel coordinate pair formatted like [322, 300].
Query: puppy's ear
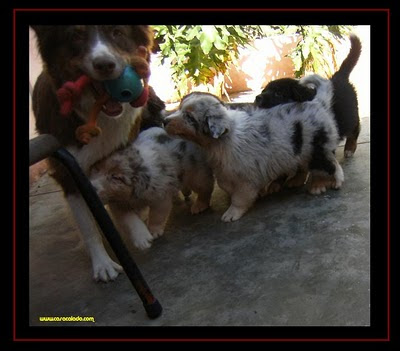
[302, 93]
[216, 126]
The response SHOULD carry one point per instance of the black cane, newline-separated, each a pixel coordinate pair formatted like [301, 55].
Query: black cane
[151, 304]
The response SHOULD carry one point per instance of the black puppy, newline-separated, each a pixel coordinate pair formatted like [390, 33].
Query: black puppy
[344, 104]
[282, 91]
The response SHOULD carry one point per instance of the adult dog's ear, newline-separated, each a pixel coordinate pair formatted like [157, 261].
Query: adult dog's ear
[43, 30]
[302, 93]
[217, 126]
[36, 28]
[155, 104]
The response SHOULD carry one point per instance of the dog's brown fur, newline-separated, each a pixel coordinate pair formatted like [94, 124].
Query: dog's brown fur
[67, 53]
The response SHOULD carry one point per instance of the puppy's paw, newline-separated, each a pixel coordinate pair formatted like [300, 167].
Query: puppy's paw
[156, 231]
[142, 240]
[350, 146]
[337, 184]
[339, 178]
[321, 182]
[348, 153]
[199, 206]
[317, 190]
[105, 269]
[233, 214]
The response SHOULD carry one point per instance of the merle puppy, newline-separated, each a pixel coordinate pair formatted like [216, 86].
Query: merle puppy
[344, 104]
[148, 173]
[248, 150]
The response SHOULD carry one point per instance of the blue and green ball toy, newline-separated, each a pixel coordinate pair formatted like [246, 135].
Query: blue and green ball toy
[127, 88]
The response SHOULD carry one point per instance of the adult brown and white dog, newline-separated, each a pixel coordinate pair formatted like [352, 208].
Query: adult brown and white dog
[101, 53]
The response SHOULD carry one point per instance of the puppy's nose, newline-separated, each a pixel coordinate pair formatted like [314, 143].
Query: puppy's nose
[258, 99]
[104, 65]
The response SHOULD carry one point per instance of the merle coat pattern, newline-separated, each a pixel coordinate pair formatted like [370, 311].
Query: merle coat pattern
[149, 173]
[248, 150]
[344, 104]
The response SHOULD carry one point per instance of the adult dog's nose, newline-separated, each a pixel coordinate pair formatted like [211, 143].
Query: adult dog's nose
[104, 65]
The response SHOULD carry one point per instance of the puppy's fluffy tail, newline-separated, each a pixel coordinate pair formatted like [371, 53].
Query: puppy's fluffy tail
[352, 58]
[313, 81]
[323, 87]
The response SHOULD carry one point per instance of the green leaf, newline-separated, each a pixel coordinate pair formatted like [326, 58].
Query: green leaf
[220, 44]
[239, 31]
[297, 62]
[210, 31]
[305, 50]
[199, 53]
[192, 33]
[224, 30]
[205, 43]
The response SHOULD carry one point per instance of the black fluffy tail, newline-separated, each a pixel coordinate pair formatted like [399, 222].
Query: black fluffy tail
[351, 60]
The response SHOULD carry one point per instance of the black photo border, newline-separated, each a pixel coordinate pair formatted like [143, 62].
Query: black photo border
[378, 19]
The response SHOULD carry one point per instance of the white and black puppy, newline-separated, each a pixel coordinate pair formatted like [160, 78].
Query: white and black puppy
[149, 173]
[248, 150]
[345, 101]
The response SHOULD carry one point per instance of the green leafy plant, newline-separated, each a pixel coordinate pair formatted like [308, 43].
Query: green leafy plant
[202, 54]
[316, 48]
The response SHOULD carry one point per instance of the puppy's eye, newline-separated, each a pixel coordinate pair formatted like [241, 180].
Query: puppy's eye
[188, 116]
[278, 94]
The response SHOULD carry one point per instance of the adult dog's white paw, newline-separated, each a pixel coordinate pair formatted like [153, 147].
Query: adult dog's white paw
[105, 269]
[232, 214]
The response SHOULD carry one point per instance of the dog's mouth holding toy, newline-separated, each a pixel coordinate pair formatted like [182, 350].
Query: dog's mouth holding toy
[112, 107]
[109, 96]
[127, 88]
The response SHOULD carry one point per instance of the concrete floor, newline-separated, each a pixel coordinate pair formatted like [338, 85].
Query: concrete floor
[293, 260]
